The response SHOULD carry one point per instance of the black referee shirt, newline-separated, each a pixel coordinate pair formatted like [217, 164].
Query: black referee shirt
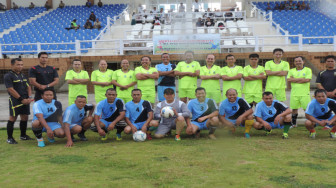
[18, 82]
[327, 79]
[44, 76]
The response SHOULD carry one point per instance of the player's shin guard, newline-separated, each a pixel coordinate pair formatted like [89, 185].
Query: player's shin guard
[10, 129]
[37, 132]
[294, 118]
[212, 129]
[23, 127]
[287, 125]
[248, 125]
[333, 130]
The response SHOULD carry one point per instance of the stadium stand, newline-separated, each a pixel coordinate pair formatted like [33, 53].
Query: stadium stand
[12, 17]
[51, 29]
[311, 23]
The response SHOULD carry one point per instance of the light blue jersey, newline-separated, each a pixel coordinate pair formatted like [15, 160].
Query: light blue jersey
[110, 111]
[198, 109]
[233, 110]
[73, 115]
[268, 113]
[322, 111]
[50, 111]
[166, 80]
[138, 113]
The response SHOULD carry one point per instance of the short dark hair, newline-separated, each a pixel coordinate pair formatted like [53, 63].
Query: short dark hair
[330, 57]
[230, 55]
[47, 89]
[320, 91]
[80, 96]
[254, 56]
[111, 89]
[168, 91]
[266, 93]
[42, 53]
[164, 54]
[278, 50]
[136, 90]
[200, 89]
[15, 60]
[299, 57]
[150, 59]
[231, 89]
[189, 51]
[76, 60]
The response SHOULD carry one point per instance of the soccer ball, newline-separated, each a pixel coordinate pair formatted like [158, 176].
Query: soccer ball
[167, 112]
[139, 136]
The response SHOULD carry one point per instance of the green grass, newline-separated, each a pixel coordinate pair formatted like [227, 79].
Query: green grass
[229, 161]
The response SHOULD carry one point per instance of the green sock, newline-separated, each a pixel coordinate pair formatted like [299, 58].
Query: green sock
[287, 125]
[152, 128]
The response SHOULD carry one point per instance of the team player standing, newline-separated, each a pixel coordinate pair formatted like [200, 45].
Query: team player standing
[134, 106]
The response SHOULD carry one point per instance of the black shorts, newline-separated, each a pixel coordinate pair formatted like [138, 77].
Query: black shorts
[18, 109]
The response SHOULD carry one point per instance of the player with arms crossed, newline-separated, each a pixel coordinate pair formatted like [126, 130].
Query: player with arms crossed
[102, 80]
[178, 121]
[235, 111]
[204, 113]
[139, 114]
[47, 118]
[271, 114]
[254, 74]
[166, 76]
[231, 75]
[210, 75]
[277, 71]
[299, 78]
[108, 114]
[187, 71]
[125, 80]
[321, 111]
[75, 120]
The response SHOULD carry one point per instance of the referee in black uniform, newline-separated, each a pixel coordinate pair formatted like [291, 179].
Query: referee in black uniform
[43, 76]
[19, 99]
[326, 79]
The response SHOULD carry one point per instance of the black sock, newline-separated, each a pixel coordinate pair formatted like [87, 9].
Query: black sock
[198, 131]
[10, 129]
[104, 128]
[294, 118]
[119, 130]
[212, 129]
[37, 132]
[82, 132]
[23, 127]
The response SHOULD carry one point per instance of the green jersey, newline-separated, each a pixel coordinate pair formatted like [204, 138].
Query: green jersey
[124, 79]
[232, 71]
[253, 86]
[300, 89]
[276, 82]
[148, 83]
[188, 81]
[98, 76]
[210, 85]
[76, 89]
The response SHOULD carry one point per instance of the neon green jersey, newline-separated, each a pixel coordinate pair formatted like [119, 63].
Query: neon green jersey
[210, 85]
[77, 89]
[235, 84]
[188, 81]
[124, 79]
[253, 86]
[148, 83]
[276, 82]
[300, 89]
[98, 76]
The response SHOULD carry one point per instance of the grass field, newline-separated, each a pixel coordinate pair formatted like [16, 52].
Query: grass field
[229, 161]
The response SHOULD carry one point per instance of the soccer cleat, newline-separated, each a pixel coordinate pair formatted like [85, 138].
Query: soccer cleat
[82, 137]
[40, 142]
[212, 137]
[25, 137]
[51, 140]
[247, 135]
[285, 136]
[312, 135]
[177, 137]
[149, 136]
[268, 132]
[118, 138]
[103, 138]
[326, 127]
[11, 141]
[198, 135]
[332, 135]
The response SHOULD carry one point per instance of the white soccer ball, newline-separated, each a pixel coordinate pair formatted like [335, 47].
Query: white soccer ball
[139, 136]
[167, 112]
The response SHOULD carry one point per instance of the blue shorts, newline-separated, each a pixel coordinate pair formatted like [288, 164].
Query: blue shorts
[201, 126]
[325, 119]
[72, 125]
[53, 126]
[276, 126]
[160, 90]
[139, 125]
[106, 123]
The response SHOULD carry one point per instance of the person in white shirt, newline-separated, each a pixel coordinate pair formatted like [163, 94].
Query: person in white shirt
[181, 8]
[197, 6]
